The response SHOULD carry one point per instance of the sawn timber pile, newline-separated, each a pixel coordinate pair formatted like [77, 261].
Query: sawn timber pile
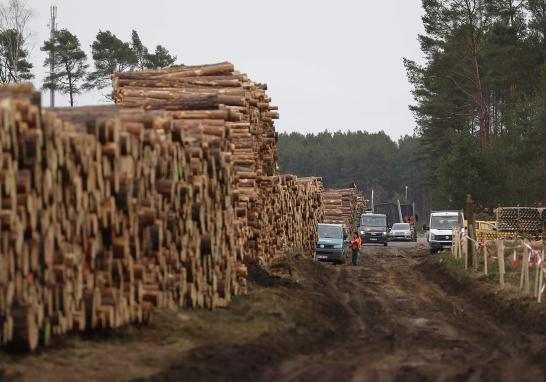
[107, 211]
[343, 206]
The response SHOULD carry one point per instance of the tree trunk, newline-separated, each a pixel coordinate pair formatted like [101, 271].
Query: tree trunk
[70, 88]
[478, 96]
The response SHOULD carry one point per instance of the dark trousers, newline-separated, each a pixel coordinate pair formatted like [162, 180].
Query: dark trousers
[356, 253]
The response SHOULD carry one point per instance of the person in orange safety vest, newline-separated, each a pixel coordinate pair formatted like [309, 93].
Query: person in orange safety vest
[356, 244]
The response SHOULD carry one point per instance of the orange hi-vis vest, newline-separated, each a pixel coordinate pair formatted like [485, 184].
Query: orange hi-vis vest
[356, 244]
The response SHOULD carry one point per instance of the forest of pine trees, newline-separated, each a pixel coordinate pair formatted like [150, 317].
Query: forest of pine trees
[480, 112]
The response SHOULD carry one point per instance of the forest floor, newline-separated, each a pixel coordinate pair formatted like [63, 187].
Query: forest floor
[401, 315]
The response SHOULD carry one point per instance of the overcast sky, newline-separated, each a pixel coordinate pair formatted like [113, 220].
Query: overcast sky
[333, 65]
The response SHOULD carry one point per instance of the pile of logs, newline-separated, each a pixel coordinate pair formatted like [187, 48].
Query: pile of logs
[291, 208]
[107, 212]
[521, 220]
[199, 94]
[343, 206]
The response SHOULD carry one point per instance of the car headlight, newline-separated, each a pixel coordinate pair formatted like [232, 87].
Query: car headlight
[338, 246]
[432, 237]
[362, 232]
[384, 233]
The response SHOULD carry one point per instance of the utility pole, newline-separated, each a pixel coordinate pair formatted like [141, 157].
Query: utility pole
[53, 27]
[406, 194]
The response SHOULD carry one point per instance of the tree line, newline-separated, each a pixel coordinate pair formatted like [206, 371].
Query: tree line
[71, 72]
[480, 100]
[480, 112]
[372, 161]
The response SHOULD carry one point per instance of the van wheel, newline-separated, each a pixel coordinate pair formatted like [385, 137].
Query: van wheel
[385, 244]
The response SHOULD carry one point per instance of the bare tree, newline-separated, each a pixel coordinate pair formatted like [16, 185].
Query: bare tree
[15, 17]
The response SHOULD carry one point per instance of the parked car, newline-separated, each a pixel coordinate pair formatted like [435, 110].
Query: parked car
[402, 232]
[331, 244]
[373, 229]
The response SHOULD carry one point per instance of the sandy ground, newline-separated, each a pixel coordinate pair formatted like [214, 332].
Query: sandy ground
[399, 316]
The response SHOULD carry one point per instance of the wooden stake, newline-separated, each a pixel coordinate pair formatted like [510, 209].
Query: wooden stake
[536, 290]
[471, 232]
[485, 259]
[541, 277]
[500, 254]
[465, 252]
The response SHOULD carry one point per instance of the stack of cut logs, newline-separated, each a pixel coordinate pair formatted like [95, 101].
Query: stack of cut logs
[291, 208]
[215, 95]
[198, 94]
[523, 220]
[343, 206]
[107, 211]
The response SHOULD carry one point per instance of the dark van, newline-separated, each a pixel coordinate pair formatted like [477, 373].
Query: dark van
[373, 229]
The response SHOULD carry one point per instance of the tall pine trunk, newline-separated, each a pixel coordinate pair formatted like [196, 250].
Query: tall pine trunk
[70, 88]
[478, 92]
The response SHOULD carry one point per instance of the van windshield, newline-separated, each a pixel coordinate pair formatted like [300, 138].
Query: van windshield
[329, 232]
[373, 221]
[443, 222]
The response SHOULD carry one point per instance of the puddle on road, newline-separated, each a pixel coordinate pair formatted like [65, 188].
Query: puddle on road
[420, 322]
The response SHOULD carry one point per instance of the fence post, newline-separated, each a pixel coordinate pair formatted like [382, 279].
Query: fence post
[500, 254]
[541, 276]
[485, 249]
[471, 231]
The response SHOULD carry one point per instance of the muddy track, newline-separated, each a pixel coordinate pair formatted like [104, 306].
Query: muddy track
[403, 326]
[392, 322]
[398, 316]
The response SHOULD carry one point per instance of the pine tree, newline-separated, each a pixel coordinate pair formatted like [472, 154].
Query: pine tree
[140, 51]
[15, 16]
[462, 22]
[160, 59]
[14, 66]
[110, 55]
[69, 65]
[537, 23]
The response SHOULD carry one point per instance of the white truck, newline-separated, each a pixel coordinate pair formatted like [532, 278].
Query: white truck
[440, 229]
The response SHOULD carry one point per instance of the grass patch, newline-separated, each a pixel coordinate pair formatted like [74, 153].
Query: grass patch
[512, 276]
[450, 262]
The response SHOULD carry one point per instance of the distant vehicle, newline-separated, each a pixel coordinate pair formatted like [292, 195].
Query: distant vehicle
[331, 244]
[373, 229]
[440, 235]
[390, 210]
[402, 232]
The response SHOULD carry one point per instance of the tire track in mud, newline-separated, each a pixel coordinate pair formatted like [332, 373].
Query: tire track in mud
[388, 319]
[403, 326]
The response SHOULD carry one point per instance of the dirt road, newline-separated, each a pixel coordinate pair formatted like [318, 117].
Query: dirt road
[403, 326]
[396, 317]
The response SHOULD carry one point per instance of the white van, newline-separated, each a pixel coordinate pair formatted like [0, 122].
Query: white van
[440, 229]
